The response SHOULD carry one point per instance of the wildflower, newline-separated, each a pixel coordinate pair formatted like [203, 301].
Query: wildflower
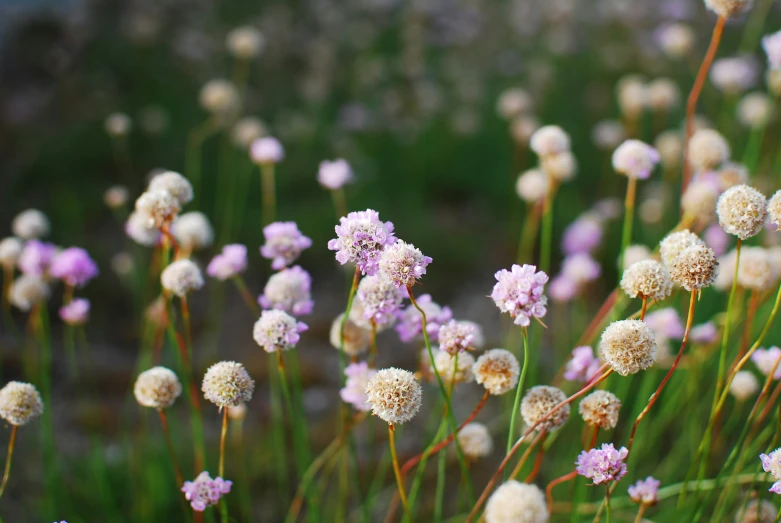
[497, 370]
[755, 110]
[157, 388]
[20, 403]
[772, 463]
[356, 338]
[645, 491]
[157, 209]
[629, 346]
[116, 196]
[237, 413]
[600, 409]
[676, 39]
[456, 336]
[634, 254]
[695, 268]
[227, 384]
[742, 210]
[276, 330]
[532, 185]
[744, 385]
[205, 491]
[519, 292]
[670, 147]
[735, 74]
[632, 94]
[716, 239]
[774, 209]
[334, 174]
[513, 102]
[247, 130]
[220, 97]
[516, 502]
[410, 321]
[175, 184]
[76, 312]
[756, 270]
[284, 243]
[73, 266]
[607, 134]
[707, 150]
[137, 230]
[288, 290]
[394, 395]
[560, 167]
[538, 402]
[663, 95]
[766, 359]
[360, 238]
[665, 323]
[192, 231]
[648, 280]
[772, 45]
[403, 264]
[267, 151]
[28, 290]
[245, 42]
[580, 268]
[36, 258]
[380, 300]
[181, 277]
[475, 440]
[699, 200]
[562, 289]
[583, 235]
[30, 224]
[705, 333]
[231, 262]
[635, 159]
[354, 391]
[549, 140]
[602, 465]
[454, 368]
[672, 245]
[523, 127]
[726, 8]
[117, 125]
[583, 365]
[10, 250]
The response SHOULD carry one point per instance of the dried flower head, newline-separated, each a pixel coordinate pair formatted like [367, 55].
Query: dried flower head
[515, 502]
[334, 174]
[227, 384]
[513, 102]
[30, 224]
[245, 42]
[600, 409]
[231, 262]
[157, 208]
[267, 150]
[726, 8]
[284, 243]
[532, 185]
[173, 182]
[608, 134]
[707, 150]
[356, 339]
[731, 174]
[670, 147]
[699, 200]
[603, 465]
[665, 323]
[538, 402]
[457, 336]
[454, 368]
[549, 140]
[744, 385]
[76, 312]
[20, 403]
[181, 277]
[583, 365]
[647, 280]
[28, 290]
[276, 330]
[634, 254]
[774, 209]
[519, 292]
[560, 167]
[695, 268]
[645, 491]
[475, 440]
[628, 346]
[204, 491]
[10, 250]
[410, 321]
[220, 97]
[663, 94]
[772, 463]
[380, 300]
[756, 511]
[635, 159]
[117, 125]
[247, 130]
[361, 238]
[116, 196]
[192, 231]
[288, 290]
[358, 376]
[742, 210]
[157, 388]
[733, 75]
[755, 110]
[394, 395]
[497, 370]
[403, 264]
[674, 243]
[756, 270]
[137, 228]
[676, 39]
[73, 266]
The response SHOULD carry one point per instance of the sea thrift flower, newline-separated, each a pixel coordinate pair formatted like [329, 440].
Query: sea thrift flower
[523, 127]
[549, 140]
[394, 395]
[665, 323]
[538, 402]
[602, 465]
[76, 312]
[157, 208]
[583, 365]
[731, 174]
[247, 130]
[288, 290]
[73, 266]
[583, 235]
[356, 338]
[560, 167]
[36, 258]
[245, 42]
[766, 360]
[670, 147]
[267, 151]
[648, 280]
[157, 388]
[10, 250]
[663, 95]
[634, 254]
[30, 224]
[181, 277]
[774, 209]
[735, 74]
[380, 300]
[675, 39]
[695, 268]
[707, 150]
[742, 210]
[454, 368]
[756, 270]
[456, 336]
[744, 385]
[772, 463]
[772, 45]
[512, 102]
[607, 134]
[174, 183]
[475, 440]
[220, 97]
[674, 243]
[600, 409]
[410, 322]
[227, 384]
[20, 403]
[755, 110]
[284, 243]
[117, 125]
[136, 228]
[354, 391]
[205, 491]
[629, 346]
[276, 330]
[192, 231]
[28, 290]
[334, 174]
[116, 196]
[645, 491]
[403, 264]
[632, 94]
[515, 502]
[580, 268]
[497, 370]
[705, 333]
[716, 239]
[562, 289]
[726, 8]
[519, 292]
[635, 159]
[532, 185]
[360, 238]
[231, 262]
[699, 200]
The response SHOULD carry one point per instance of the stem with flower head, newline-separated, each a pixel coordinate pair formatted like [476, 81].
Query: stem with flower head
[518, 391]
[396, 471]
[8, 459]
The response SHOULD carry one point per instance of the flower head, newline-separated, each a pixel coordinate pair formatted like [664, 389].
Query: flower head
[157, 208]
[602, 465]
[174, 183]
[580, 269]
[76, 312]
[192, 231]
[583, 365]
[267, 151]
[20, 403]
[137, 229]
[648, 280]
[356, 338]
[772, 463]
[756, 270]
[695, 268]
[707, 150]
[635, 159]
[705, 333]
[403, 264]
[410, 322]
[475, 440]
[227, 384]
[10, 250]
[774, 209]
[36, 258]
[457, 336]
[538, 402]
[772, 45]
[354, 391]
[582, 236]
[231, 262]
[766, 360]
[519, 292]
[726, 8]
[277, 330]
[380, 300]
[672, 245]
[288, 290]
[221, 98]
[532, 185]
[157, 388]
[284, 243]
[454, 368]
[204, 491]
[742, 210]
[334, 174]
[665, 323]
[30, 224]
[497, 370]
[516, 502]
[73, 266]
[181, 277]
[360, 238]
[600, 409]
[628, 346]
[27, 290]
[756, 511]
[549, 140]
[513, 102]
[245, 42]
[744, 385]
[394, 395]
[645, 491]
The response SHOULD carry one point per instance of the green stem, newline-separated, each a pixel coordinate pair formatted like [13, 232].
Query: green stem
[629, 214]
[192, 160]
[547, 228]
[8, 459]
[269, 192]
[518, 392]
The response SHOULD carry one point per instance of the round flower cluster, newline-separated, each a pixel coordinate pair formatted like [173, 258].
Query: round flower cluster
[181, 277]
[36, 258]
[648, 280]
[695, 268]
[403, 264]
[519, 292]
[267, 150]
[756, 270]
[549, 140]
[497, 370]
[20, 403]
[726, 8]
[457, 336]
[335, 174]
[582, 366]
[394, 395]
[672, 245]
[276, 330]
[192, 231]
[635, 159]
[30, 224]
[220, 97]
[157, 388]
[602, 465]
[231, 262]
[354, 391]
[380, 300]
[707, 150]
[410, 322]
[10, 250]
[628, 346]
[157, 209]
[76, 312]
[532, 185]
[205, 491]
[772, 463]
[28, 290]
[175, 184]
[475, 440]
[284, 243]
[515, 502]
[645, 491]
[360, 238]
[137, 228]
[742, 210]
[774, 209]
[227, 384]
[356, 338]
[245, 42]
[600, 409]
[288, 290]
[454, 368]
[699, 200]
[73, 266]
[744, 385]
[538, 402]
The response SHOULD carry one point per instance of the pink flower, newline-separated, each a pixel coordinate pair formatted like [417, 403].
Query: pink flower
[204, 491]
[645, 491]
[76, 312]
[602, 465]
[582, 366]
[334, 174]
[410, 322]
[267, 150]
[457, 336]
[705, 333]
[562, 289]
[772, 463]
[519, 292]
[582, 235]
[665, 323]
[772, 45]
[288, 290]
[284, 243]
[36, 257]
[361, 238]
[354, 391]
[765, 360]
[231, 262]
[74, 267]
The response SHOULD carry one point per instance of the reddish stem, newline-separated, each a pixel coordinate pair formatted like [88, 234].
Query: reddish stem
[567, 477]
[597, 321]
[537, 462]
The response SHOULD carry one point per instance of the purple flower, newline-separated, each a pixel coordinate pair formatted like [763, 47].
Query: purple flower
[772, 463]
[380, 299]
[354, 391]
[772, 45]
[76, 312]
[645, 491]
[519, 292]
[231, 262]
[36, 257]
[765, 360]
[562, 289]
[276, 330]
[360, 238]
[284, 243]
[716, 238]
[410, 322]
[403, 264]
[705, 333]
[266, 150]
[334, 174]
[582, 366]
[582, 235]
[665, 323]
[635, 159]
[457, 336]
[288, 290]
[580, 268]
[602, 465]
[205, 491]
[74, 267]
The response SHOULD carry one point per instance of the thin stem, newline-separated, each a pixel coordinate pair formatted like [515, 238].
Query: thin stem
[529, 231]
[193, 153]
[397, 472]
[171, 451]
[727, 322]
[629, 214]
[223, 433]
[540, 438]
[567, 477]
[269, 192]
[249, 301]
[518, 389]
[643, 310]
[340, 202]
[547, 227]
[8, 459]
[640, 512]
[607, 503]
[373, 346]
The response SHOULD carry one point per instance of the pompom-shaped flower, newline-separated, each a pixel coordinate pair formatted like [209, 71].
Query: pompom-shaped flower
[582, 365]
[742, 210]
[772, 463]
[220, 97]
[635, 159]
[231, 262]
[354, 391]
[475, 440]
[767, 360]
[288, 290]
[647, 280]
[756, 270]
[672, 245]
[560, 166]
[497, 370]
[76, 312]
[28, 290]
[774, 209]
[532, 185]
[410, 322]
[513, 102]
[245, 42]
[356, 338]
[267, 151]
[772, 45]
[454, 368]
[173, 182]
[726, 8]
[549, 140]
[192, 231]
[394, 395]
[181, 277]
[30, 224]
[602, 465]
[334, 174]
[634, 254]
[137, 229]
[519, 292]
[20, 403]
[247, 130]
[276, 330]
[705, 333]
[157, 388]
[403, 264]
[205, 491]
[10, 250]
[582, 236]
[538, 402]
[515, 502]
[157, 208]
[645, 491]
[227, 384]
[284, 243]
[600, 409]
[73, 266]
[628, 346]
[707, 150]
[457, 336]
[36, 258]
[360, 238]
[744, 385]
[699, 200]
[380, 299]
[695, 268]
